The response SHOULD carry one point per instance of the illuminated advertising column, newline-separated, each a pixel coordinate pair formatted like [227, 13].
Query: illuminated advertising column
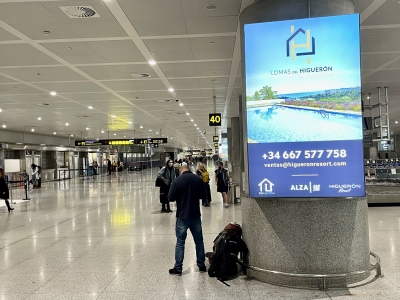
[304, 119]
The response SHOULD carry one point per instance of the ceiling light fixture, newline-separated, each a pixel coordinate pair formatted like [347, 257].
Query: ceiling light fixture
[210, 6]
[187, 114]
[191, 120]
[33, 130]
[4, 126]
[90, 107]
[152, 62]
[130, 122]
[102, 131]
[181, 104]
[141, 126]
[115, 134]
[87, 128]
[396, 122]
[66, 124]
[113, 116]
[170, 90]
[54, 133]
[72, 135]
[150, 130]
[39, 118]
[53, 93]
[1, 110]
[195, 125]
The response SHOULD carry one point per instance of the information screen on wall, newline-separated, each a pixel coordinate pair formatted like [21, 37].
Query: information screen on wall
[303, 97]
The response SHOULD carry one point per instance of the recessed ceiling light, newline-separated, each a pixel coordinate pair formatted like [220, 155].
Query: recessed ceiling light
[130, 122]
[396, 122]
[102, 131]
[124, 135]
[72, 135]
[87, 128]
[53, 93]
[66, 124]
[210, 6]
[90, 107]
[156, 132]
[195, 125]
[113, 116]
[115, 134]
[170, 90]
[152, 62]
[33, 130]
[54, 133]
[150, 130]
[39, 118]
[191, 120]
[4, 126]
[141, 126]
[1, 110]
[187, 114]
[181, 104]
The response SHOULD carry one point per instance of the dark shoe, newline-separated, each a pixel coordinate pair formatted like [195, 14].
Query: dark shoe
[202, 269]
[207, 205]
[169, 210]
[10, 209]
[174, 271]
[164, 210]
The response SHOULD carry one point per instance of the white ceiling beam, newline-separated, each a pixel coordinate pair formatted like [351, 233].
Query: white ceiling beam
[371, 9]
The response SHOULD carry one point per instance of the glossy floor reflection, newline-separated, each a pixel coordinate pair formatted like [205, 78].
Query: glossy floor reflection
[106, 239]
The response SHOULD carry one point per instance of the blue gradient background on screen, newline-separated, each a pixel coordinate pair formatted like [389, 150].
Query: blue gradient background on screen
[337, 46]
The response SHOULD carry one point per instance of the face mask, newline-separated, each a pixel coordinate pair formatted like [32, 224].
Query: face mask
[170, 164]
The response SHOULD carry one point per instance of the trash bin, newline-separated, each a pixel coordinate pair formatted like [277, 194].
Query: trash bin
[232, 193]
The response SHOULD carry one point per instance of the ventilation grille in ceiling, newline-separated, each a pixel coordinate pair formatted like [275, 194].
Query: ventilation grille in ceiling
[77, 12]
[168, 100]
[141, 75]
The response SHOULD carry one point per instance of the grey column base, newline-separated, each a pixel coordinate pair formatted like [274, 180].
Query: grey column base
[308, 236]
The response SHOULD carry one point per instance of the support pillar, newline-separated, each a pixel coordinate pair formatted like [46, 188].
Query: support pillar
[302, 235]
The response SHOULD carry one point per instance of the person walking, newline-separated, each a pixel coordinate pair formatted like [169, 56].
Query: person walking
[222, 181]
[202, 172]
[109, 167]
[167, 174]
[4, 193]
[187, 190]
[35, 176]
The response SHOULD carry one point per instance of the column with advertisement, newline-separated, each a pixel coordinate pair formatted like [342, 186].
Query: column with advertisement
[303, 97]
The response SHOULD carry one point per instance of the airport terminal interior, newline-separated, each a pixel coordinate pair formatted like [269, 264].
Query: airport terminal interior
[139, 82]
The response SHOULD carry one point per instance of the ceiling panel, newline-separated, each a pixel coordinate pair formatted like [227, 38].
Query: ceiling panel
[102, 96]
[23, 55]
[197, 8]
[384, 14]
[66, 87]
[25, 12]
[214, 65]
[373, 61]
[211, 24]
[75, 52]
[149, 85]
[151, 9]
[15, 89]
[173, 55]
[57, 30]
[5, 79]
[168, 44]
[185, 83]
[118, 51]
[6, 36]
[189, 93]
[38, 74]
[157, 27]
[361, 5]
[377, 40]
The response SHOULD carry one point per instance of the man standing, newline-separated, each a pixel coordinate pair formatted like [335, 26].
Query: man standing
[187, 190]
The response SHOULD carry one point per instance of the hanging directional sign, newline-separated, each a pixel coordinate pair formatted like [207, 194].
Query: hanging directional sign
[215, 138]
[214, 119]
[216, 145]
[122, 142]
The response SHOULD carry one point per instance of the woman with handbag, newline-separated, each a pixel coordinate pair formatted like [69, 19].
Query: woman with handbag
[167, 175]
[4, 193]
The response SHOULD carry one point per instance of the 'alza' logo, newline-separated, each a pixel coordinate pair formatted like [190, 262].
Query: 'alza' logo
[309, 45]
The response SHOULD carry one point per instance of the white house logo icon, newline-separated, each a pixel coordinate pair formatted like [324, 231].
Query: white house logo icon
[266, 186]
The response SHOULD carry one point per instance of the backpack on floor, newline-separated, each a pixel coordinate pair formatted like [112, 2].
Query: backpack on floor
[227, 246]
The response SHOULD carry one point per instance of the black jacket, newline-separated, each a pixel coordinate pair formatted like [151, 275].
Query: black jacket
[4, 194]
[187, 190]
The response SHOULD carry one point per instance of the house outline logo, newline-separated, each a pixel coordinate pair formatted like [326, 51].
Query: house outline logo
[266, 185]
[309, 45]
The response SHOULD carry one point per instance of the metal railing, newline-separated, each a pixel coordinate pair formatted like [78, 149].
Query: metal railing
[18, 189]
[323, 277]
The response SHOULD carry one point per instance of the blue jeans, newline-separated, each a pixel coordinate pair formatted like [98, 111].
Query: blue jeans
[181, 233]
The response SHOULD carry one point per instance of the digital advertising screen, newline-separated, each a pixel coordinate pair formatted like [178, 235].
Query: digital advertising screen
[303, 99]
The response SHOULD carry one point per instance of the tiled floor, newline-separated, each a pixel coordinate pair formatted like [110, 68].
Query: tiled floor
[106, 239]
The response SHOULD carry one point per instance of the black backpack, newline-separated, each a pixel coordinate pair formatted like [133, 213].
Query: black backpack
[227, 246]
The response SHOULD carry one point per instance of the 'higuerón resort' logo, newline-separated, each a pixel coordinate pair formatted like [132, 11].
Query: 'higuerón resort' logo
[309, 45]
